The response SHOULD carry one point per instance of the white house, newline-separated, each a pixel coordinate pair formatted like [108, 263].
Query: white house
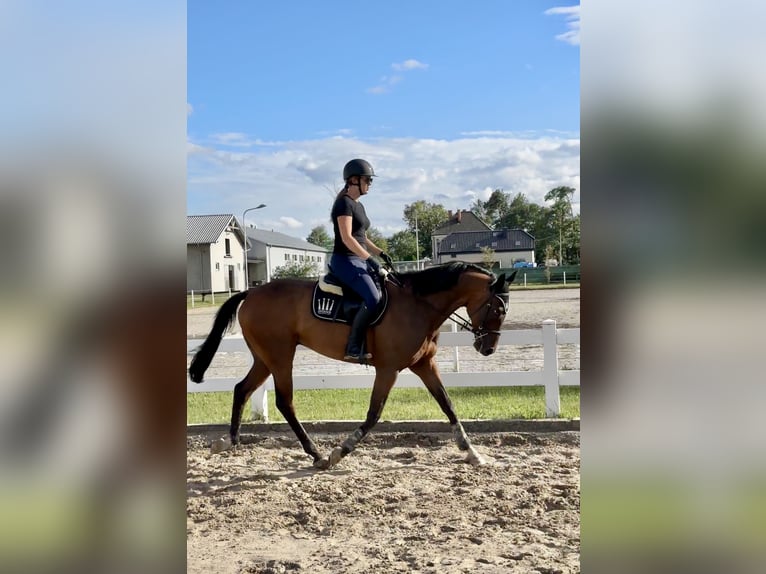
[214, 253]
[270, 250]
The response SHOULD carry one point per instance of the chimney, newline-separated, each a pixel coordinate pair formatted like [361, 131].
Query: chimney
[449, 214]
[459, 215]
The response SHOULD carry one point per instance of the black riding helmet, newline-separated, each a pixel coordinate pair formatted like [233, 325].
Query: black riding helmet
[357, 167]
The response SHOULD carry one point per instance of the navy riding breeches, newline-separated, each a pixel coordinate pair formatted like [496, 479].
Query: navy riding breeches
[353, 271]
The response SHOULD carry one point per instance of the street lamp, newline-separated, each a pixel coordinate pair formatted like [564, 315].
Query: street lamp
[417, 243]
[247, 245]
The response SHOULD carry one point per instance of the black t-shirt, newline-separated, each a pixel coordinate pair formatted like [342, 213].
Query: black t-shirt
[344, 205]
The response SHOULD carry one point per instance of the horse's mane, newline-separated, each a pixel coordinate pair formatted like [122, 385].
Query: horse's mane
[440, 277]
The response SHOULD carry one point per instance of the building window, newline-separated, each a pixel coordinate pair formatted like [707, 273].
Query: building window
[287, 257]
[295, 257]
[217, 266]
[228, 247]
[454, 255]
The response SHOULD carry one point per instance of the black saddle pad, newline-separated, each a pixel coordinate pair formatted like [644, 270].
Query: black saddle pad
[342, 308]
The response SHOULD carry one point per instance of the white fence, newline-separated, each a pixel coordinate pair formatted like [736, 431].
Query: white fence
[549, 377]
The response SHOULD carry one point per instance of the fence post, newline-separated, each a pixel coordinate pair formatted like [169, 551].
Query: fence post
[565, 277]
[457, 356]
[551, 369]
[259, 403]
[192, 298]
[525, 279]
[212, 294]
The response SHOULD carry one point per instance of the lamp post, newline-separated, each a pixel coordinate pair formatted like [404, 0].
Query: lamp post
[417, 244]
[247, 246]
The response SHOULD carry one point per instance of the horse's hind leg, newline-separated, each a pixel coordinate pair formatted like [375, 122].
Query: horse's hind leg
[427, 370]
[384, 381]
[255, 378]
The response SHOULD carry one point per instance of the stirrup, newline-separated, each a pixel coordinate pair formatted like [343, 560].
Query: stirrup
[357, 358]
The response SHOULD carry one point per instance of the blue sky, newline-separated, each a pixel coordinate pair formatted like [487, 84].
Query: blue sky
[448, 100]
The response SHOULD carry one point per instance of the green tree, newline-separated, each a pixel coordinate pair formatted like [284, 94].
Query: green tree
[377, 238]
[487, 257]
[492, 210]
[309, 269]
[562, 214]
[572, 241]
[428, 216]
[544, 231]
[521, 214]
[401, 246]
[319, 236]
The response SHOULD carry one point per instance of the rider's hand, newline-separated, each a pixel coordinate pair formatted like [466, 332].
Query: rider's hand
[373, 265]
[387, 259]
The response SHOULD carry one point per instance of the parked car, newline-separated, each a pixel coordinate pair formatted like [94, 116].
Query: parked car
[524, 264]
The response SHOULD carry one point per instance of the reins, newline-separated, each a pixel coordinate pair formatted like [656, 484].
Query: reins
[478, 332]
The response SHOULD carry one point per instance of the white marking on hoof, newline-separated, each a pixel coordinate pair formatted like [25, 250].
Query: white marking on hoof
[474, 458]
[322, 464]
[220, 445]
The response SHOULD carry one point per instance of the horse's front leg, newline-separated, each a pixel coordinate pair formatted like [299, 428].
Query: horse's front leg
[283, 389]
[384, 381]
[427, 370]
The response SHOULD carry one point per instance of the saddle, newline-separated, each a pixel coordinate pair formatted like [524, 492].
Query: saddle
[334, 301]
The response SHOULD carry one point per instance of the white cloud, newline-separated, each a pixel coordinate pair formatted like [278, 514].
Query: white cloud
[501, 133]
[192, 148]
[290, 222]
[232, 139]
[572, 14]
[409, 65]
[385, 85]
[297, 180]
[387, 82]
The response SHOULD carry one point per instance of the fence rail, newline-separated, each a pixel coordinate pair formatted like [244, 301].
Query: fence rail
[549, 377]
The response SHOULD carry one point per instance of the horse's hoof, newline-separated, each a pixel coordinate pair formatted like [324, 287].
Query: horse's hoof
[220, 445]
[336, 455]
[475, 459]
[322, 464]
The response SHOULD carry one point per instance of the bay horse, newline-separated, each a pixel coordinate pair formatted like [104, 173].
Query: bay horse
[276, 317]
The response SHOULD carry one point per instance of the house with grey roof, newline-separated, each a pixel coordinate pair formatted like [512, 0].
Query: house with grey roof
[459, 221]
[215, 253]
[508, 246]
[270, 250]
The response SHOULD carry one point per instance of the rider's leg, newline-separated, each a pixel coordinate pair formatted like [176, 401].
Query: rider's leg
[354, 273]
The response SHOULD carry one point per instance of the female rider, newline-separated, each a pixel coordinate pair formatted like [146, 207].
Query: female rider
[351, 261]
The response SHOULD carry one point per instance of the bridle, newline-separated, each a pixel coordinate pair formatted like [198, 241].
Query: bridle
[481, 331]
[478, 332]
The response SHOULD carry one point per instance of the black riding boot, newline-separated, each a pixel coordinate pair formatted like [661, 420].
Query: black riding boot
[356, 338]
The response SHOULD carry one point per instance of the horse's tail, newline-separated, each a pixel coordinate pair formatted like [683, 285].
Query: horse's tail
[223, 320]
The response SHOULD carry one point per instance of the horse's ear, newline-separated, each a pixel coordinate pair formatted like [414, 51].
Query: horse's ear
[511, 277]
[499, 283]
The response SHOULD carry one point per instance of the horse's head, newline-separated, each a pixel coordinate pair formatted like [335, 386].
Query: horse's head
[487, 314]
